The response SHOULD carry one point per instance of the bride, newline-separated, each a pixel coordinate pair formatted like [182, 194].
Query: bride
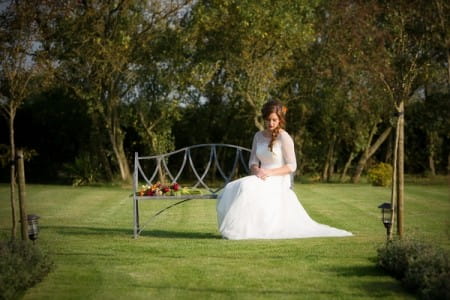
[263, 205]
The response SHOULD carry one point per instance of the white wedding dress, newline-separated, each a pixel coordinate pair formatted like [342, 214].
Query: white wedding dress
[252, 208]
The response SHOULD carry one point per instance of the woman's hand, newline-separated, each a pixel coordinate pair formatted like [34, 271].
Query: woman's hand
[261, 173]
[264, 173]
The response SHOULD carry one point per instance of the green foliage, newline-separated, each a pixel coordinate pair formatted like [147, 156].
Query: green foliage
[247, 44]
[380, 175]
[84, 170]
[22, 265]
[421, 267]
[396, 255]
[429, 273]
[429, 132]
[5, 154]
[150, 85]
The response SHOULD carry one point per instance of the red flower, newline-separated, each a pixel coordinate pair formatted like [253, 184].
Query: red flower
[175, 187]
[158, 189]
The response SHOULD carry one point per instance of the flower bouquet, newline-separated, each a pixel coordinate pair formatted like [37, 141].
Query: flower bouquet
[159, 189]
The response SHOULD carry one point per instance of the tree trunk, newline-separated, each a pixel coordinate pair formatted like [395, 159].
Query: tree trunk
[360, 167]
[153, 140]
[112, 123]
[298, 144]
[448, 66]
[432, 145]
[448, 69]
[364, 157]
[369, 151]
[448, 165]
[324, 175]
[388, 156]
[106, 164]
[394, 189]
[400, 169]
[431, 164]
[347, 166]
[22, 201]
[117, 144]
[331, 169]
[98, 143]
[258, 123]
[12, 143]
[332, 166]
[149, 128]
[327, 169]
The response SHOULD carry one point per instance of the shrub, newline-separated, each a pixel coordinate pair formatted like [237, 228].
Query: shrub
[380, 175]
[22, 265]
[429, 273]
[396, 255]
[420, 267]
[85, 170]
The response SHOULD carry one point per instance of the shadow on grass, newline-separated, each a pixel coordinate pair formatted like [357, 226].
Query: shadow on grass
[125, 232]
[372, 285]
[359, 271]
[180, 234]
[362, 289]
[234, 292]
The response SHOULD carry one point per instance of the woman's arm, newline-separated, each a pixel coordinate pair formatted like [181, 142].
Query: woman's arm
[278, 171]
[253, 162]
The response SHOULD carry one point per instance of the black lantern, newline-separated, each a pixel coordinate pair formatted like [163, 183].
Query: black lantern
[33, 227]
[386, 216]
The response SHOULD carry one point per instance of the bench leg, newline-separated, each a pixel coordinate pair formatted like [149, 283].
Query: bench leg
[136, 218]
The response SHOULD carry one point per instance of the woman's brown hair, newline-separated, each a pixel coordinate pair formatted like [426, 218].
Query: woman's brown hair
[274, 106]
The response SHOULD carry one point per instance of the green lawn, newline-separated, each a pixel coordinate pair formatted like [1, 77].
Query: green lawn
[88, 233]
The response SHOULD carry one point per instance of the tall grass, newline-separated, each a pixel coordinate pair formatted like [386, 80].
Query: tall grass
[88, 233]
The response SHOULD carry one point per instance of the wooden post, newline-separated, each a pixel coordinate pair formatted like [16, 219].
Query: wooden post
[13, 172]
[22, 202]
[400, 169]
[394, 191]
[13, 195]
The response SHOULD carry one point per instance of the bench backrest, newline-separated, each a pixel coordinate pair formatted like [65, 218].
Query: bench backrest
[159, 165]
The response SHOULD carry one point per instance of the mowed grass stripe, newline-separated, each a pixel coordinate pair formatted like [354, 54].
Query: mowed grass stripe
[88, 233]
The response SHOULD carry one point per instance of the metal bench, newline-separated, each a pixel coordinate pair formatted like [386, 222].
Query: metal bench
[215, 164]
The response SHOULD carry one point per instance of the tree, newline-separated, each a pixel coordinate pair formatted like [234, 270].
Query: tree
[427, 130]
[98, 46]
[391, 44]
[437, 85]
[438, 28]
[22, 71]
[406, 55]
[345, 108]
[247, 43]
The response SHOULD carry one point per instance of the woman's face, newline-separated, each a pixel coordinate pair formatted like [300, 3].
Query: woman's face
[272, 121]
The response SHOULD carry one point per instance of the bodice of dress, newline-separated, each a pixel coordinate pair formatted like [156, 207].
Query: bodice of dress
[282, 154]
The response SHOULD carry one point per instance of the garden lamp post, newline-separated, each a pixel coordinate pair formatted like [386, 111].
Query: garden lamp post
[33, 227]
[386, 216]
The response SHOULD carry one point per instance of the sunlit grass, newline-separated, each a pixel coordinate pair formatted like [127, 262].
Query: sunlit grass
[88, 233]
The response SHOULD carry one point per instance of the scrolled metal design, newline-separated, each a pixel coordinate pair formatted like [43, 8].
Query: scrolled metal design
[161, 165]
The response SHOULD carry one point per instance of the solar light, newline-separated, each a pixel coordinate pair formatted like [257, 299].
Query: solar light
[33, 227]
[386, 216]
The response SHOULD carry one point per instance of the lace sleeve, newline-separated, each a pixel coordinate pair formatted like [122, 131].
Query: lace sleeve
[287, 146]
[253, 159]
